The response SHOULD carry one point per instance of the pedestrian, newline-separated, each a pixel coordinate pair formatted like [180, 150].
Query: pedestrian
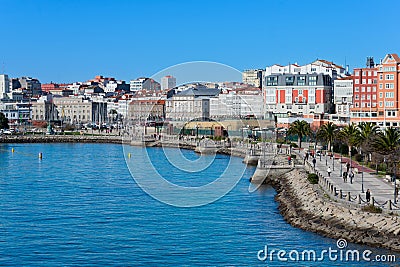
[289, 159]
[368, 195]
[351, 176]
[307, 155]
[329, 171]
[345, 177]
[347, 167]
[314, 161]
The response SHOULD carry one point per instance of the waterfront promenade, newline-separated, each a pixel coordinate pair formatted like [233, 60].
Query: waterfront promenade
[382, 190]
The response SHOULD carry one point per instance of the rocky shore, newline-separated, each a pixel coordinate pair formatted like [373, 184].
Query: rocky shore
[303, 205]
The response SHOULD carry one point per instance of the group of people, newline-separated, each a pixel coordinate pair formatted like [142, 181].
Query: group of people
[347, 174]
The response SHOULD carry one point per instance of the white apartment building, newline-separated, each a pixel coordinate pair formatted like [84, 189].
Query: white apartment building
[343, 97]
[237, 104]
[190, 104]
[4, 85]
[318, 66]
[168, 82]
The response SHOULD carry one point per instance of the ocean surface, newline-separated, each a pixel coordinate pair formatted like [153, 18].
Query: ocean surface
[80, 206]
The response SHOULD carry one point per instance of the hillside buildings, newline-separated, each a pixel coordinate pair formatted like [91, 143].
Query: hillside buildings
[144, 84]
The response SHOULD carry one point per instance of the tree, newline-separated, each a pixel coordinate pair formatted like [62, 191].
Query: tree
[388, 143]
[328, 133]
[350, 135]
[368, 132]
[299, 128]
[3, 121]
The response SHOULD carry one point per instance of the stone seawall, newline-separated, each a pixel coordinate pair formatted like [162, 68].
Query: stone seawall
[305, 206]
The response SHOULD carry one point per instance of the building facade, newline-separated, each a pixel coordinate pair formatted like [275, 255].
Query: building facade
[388, 88]
[365, 93]
[168, 82]
[343, 97]
[146, 109]
[237, 104]
[4, 85]
[253, 77]
[302, 95]
[190, 104]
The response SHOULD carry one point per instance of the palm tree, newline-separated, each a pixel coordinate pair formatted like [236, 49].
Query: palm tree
[299, 128]
[350, 135]
[388, 143]
[368, 132]
[328, 133]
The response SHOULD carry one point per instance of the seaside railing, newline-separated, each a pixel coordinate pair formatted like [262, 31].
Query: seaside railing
[347, 198]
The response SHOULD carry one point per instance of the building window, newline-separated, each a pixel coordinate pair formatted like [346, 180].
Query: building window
[373, 97]
[389, 94]
[356, 89]
[356, 73]
[357, 81]
[380, 76]
[380, 103]
[389, 85]
[300, 92]
[363, 89]
[380, 95]
[368, 97]
[357, 97]
[389, 76]
[368, 89]
[374, 89]
[301, 80]
[380, 86]
[312, 80]
[364, 81]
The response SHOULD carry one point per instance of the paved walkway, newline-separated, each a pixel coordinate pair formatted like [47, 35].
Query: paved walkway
[380, 189]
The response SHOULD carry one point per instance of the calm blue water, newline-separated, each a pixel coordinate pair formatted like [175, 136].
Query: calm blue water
[80, 206]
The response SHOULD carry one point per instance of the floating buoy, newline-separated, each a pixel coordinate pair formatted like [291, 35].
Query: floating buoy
[40, 155]
[129, 155]
[12, 150]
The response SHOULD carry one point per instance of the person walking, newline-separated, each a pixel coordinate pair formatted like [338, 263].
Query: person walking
[345, 177]
[289, 159]
[329, 171]
[351, 176]
[368, 195]
[314, 161]
[347, 167]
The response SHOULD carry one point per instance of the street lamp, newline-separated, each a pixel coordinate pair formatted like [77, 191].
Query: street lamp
[341, 165]
[362, 172]
[395, 178]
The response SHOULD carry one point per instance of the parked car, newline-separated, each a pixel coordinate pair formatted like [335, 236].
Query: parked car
[8, 132]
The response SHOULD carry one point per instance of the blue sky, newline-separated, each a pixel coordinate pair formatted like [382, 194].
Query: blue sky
[70, 40]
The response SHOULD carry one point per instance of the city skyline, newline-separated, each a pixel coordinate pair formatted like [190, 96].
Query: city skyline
[68, 42]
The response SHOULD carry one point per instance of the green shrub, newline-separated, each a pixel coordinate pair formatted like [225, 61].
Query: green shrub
[372, 209]
[312, 178]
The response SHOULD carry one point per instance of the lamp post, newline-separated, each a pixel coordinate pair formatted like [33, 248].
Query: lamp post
[362, 172]
[395, 178]
[333, 161]
[326, 157]
[341, 165]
